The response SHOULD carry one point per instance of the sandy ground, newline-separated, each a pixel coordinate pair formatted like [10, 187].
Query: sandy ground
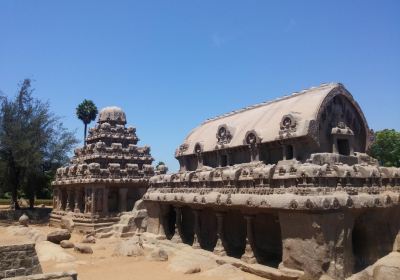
[103, 265]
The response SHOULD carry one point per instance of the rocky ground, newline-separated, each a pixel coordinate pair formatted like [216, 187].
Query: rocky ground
[142, 257]
[145, 256]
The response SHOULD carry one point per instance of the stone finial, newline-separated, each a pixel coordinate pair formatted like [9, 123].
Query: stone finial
[112, 114]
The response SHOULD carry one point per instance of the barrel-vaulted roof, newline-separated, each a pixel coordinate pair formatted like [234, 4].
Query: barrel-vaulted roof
[268, 120]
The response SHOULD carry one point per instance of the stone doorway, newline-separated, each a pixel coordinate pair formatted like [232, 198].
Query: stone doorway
[113, 201]
[187, 225]
[343, 147]
[208, 229]
[373, 236]
[234, 233]
[268, 239]
[169, 222]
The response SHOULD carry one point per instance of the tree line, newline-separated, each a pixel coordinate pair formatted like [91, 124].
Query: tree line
[34, 143]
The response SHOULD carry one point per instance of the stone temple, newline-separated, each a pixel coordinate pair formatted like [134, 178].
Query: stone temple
[285, 183]
[105, 177]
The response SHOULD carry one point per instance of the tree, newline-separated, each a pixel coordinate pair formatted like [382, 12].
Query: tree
[386, 147]
[86, 112]
[160, 163]
[33, 143]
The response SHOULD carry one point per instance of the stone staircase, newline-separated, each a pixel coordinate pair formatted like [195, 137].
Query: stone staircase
[129, 223]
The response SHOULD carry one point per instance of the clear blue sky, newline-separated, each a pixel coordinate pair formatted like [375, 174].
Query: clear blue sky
[172, 64]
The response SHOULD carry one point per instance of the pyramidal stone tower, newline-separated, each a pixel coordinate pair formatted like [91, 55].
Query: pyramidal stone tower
[105, 177]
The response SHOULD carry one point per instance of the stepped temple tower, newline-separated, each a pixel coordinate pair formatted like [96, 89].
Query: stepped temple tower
[105, 177]
[286, 184]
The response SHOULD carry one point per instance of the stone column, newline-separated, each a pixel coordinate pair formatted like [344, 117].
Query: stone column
[123, 199]
[219, 247]
[196, 238]
[77, 198]
[335, 149]
[86, 200]
[69, 197]
[60, 199]
[82, 201]
[55, 198]
[161, 229]
[284, 152]
[105, 201]
[178, 225]
[248, 255]
[93, 201]
[199, 160]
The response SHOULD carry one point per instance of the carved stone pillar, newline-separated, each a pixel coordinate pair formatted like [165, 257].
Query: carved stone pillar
[178, 225]
[196, 237]
[77, 194]
[87, 198]
[105, 201]
[82, 200]
[248, 255]
[55, 198]
[93, 201]
[69, 202]
[60, 203]
[162, 224]
[219, 247]
[123, 199]
[284, 152]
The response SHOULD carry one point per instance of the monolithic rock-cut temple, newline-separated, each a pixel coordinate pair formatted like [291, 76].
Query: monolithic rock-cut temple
[105, 177]
[285, 183]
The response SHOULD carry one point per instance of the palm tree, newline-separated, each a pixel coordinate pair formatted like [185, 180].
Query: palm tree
[86, 112]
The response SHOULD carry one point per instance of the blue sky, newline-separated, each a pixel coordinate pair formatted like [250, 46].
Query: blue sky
[172, 64]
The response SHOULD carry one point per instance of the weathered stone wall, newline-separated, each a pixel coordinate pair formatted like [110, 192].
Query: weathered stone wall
[18, 260]
[48, 276]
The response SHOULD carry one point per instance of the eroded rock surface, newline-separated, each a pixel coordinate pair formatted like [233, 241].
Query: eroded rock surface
[58, 236]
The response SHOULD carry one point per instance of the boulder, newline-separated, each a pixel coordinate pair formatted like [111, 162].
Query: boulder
[129, 248]
[24, 220]
[83, 249]
[66, 244]
[67, 222]
[58, 236]
[158, 254]
[89, 239]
